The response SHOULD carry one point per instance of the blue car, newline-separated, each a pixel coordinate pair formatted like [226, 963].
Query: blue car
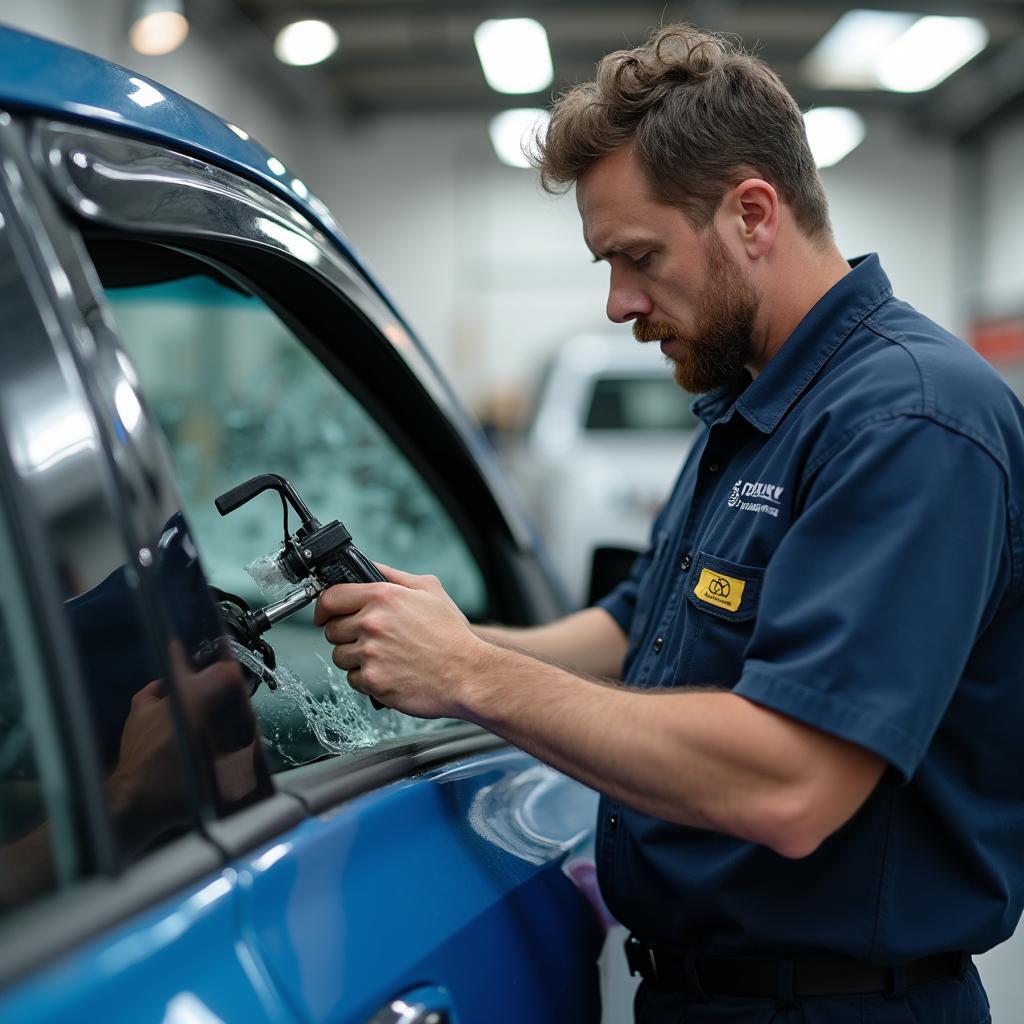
[199, 821]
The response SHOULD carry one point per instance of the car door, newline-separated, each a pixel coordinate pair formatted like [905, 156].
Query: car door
[432, 864]
[113, 764]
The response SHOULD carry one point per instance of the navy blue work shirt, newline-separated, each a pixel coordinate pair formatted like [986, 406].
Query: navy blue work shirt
[844, 545]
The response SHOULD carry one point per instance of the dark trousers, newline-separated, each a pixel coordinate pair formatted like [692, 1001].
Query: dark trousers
[946, 1001]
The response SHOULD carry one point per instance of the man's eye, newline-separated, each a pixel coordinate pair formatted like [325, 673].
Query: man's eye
[642, 262]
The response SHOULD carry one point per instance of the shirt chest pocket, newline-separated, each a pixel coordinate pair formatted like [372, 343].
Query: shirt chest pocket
[722, 598]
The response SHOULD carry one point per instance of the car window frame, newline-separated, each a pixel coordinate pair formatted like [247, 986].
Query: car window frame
[223, 218]
[47, 316]
[499, 540]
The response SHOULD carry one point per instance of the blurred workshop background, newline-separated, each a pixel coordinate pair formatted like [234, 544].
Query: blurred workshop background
[405, 117]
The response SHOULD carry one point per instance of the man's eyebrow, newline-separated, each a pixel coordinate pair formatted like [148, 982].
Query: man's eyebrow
[619, 247]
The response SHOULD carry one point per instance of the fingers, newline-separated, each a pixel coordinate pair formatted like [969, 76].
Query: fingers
[346, 657]
[343, 630]
[344, 599]
[151, 693]
[409, 579]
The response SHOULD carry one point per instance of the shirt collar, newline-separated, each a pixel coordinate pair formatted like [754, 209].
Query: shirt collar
[828, 323]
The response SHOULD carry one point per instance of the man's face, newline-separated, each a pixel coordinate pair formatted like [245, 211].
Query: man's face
[680, 287]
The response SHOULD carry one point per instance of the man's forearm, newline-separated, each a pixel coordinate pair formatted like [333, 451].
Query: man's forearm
[706, 759]
[588, 641]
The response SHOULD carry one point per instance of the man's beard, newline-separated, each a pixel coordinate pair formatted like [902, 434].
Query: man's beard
[721, 343]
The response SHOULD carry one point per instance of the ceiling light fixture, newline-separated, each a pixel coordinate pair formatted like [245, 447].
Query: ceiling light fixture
[305, 42]
[514, 132]
[833, 132]
[930, 51]
[892, 50]
[157, 27]
[514, 55]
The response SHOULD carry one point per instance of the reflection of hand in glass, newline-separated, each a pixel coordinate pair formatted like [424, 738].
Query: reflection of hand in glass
[216, 704]
[147, 771]
[146, 788]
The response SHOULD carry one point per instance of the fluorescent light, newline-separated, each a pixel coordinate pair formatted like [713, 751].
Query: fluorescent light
[929, 51]
[305, 42]
[833, 132]
[159, 27]
[513, 130]
[514, 54]
[892, 50]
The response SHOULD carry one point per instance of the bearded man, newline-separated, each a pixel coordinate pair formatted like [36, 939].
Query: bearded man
[803, 708]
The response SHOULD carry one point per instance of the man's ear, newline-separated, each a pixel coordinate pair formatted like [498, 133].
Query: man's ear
[752, 207]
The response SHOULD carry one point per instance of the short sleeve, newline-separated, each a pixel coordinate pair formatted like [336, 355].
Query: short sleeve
[872, 602]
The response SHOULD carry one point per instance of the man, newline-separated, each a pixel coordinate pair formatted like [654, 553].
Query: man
[810, 805]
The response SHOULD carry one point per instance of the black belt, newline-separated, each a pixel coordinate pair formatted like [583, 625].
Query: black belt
[783, 978]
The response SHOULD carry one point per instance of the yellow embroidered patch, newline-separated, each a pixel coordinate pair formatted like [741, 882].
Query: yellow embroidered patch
[720, 590]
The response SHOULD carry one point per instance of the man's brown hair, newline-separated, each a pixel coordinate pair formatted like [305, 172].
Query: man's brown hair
[701, 113]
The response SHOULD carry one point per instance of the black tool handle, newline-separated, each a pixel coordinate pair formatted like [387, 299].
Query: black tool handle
[246, 491]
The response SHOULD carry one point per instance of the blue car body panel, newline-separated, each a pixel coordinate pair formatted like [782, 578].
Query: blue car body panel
[181, 961]
[455, 881]
[35, 74]
[458, 877]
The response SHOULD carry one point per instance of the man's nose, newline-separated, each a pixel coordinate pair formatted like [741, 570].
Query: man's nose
[626, 302]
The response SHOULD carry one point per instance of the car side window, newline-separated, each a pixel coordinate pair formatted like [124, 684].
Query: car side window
[238, 394]
[638, 403]
[38, 849]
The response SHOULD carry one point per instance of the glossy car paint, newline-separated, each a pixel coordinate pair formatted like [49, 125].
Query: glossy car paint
[437, 879]
[441, 879]
[39, 75]
[180, 963]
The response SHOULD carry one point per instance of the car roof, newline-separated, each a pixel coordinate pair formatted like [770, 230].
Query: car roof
[42, 76]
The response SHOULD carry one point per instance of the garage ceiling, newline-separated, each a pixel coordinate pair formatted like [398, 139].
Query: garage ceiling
[404, 56]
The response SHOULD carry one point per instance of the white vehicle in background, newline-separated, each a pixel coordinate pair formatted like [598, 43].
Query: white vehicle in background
[609, 432]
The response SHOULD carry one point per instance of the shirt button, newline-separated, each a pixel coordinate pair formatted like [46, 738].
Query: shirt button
[613, 822]
[686, 562]
[712, 467]
[658, 644]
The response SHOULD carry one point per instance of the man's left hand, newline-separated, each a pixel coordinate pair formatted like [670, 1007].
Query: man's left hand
[404, 642]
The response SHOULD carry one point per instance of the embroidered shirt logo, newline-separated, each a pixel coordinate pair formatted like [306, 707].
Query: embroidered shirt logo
[720, 590]
[755, 496]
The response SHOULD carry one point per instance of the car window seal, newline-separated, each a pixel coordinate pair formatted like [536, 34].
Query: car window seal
[324, 784]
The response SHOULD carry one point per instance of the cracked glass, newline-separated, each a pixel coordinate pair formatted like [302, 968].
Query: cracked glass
[237, 394]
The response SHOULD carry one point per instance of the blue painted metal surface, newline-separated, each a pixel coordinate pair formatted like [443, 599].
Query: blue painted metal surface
[455, 879]
[180, 963]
